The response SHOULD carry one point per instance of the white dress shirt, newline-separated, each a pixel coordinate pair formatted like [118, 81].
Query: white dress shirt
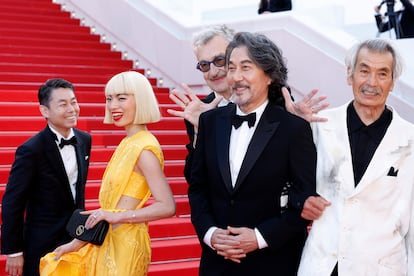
[68, 155]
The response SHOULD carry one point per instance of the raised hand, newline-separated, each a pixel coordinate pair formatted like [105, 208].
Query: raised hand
[192, 106]
[308, 107]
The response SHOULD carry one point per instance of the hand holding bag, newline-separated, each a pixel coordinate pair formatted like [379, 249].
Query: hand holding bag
[76, 228]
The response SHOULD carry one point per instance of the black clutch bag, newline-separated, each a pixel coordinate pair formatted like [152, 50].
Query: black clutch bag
[76, 228]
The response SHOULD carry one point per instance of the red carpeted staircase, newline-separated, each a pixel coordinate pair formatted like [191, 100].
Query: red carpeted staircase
[39, 41]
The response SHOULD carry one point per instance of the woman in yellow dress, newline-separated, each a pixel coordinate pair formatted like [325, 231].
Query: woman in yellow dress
[134, 173]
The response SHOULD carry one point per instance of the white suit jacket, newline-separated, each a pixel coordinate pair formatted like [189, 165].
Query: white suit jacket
[368, 229]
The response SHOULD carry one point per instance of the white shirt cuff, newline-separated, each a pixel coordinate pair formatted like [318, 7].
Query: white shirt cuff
[260, 240]
[15, 254]
[207, 237]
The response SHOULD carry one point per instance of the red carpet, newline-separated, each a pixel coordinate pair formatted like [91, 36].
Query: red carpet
[39, 41]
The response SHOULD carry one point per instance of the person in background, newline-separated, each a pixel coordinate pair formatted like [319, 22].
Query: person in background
[46, 182]
[269, 6]
[364, 217]
[134, 173]
[249, 179]
[402, 21]
[209, 47]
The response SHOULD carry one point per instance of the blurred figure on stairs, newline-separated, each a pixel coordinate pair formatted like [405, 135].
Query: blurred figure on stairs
[402, 21]
[46, 182]
[134, 173]
[269, 6]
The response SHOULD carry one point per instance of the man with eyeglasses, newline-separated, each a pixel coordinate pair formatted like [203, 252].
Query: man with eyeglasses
[241, 214]
[209, 46]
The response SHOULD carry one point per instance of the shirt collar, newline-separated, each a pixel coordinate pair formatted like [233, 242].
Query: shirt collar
[355, 122]
[223, 101]
[259, 111]
[59, 136]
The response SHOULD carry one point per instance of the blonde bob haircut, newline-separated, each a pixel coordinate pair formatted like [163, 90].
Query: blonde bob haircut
[131, 82]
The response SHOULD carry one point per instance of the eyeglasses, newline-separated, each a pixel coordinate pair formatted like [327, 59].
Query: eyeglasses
[204, 66]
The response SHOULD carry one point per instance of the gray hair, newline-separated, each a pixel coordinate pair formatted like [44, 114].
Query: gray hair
[376, 45]
[204, 36]
[267, 56]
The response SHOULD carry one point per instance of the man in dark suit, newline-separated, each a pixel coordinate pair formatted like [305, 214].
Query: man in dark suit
[402, 21]
[249, 180]
[209, 46]
[46, 182]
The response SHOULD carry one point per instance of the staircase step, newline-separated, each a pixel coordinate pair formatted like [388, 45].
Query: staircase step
[63, 60]
[30, 7]
[66, 69]
[74, 31]
[172, 249]
[41, 77]
[179, 268]
[31, 50]
[173, 227]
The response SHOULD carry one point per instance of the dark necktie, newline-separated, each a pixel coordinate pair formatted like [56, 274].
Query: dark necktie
[71, 141]
[239, 119]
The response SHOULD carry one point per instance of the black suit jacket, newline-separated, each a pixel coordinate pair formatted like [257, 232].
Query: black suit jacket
[406, 23]
[38, 201]
[281, 151]
[190, 146]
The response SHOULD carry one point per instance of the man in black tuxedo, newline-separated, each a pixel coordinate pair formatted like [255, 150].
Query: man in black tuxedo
[402, 21]
[46, 182]
[209, 46]
[249, 180]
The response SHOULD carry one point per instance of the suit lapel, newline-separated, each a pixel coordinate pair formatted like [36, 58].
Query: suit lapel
[223, 143]
[263, 133]
[80, 156]
[391, 152]
[337, 145]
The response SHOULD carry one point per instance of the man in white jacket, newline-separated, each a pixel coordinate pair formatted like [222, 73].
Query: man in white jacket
[363, 219]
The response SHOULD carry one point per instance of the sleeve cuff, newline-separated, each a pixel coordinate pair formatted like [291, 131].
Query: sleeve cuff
[15, 254]
[207, 237]
[260, 240]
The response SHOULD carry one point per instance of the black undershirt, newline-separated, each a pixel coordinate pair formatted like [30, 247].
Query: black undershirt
[364, 140]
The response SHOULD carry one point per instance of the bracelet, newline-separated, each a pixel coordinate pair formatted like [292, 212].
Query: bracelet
[132, 219]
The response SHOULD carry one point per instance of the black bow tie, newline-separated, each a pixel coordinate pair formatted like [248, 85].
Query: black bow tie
[71, 141]
[239, 119]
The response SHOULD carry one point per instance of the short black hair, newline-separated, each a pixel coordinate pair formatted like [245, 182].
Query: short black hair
[46, 89]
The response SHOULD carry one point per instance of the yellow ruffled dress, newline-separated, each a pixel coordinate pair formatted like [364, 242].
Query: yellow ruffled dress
[127, 248]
